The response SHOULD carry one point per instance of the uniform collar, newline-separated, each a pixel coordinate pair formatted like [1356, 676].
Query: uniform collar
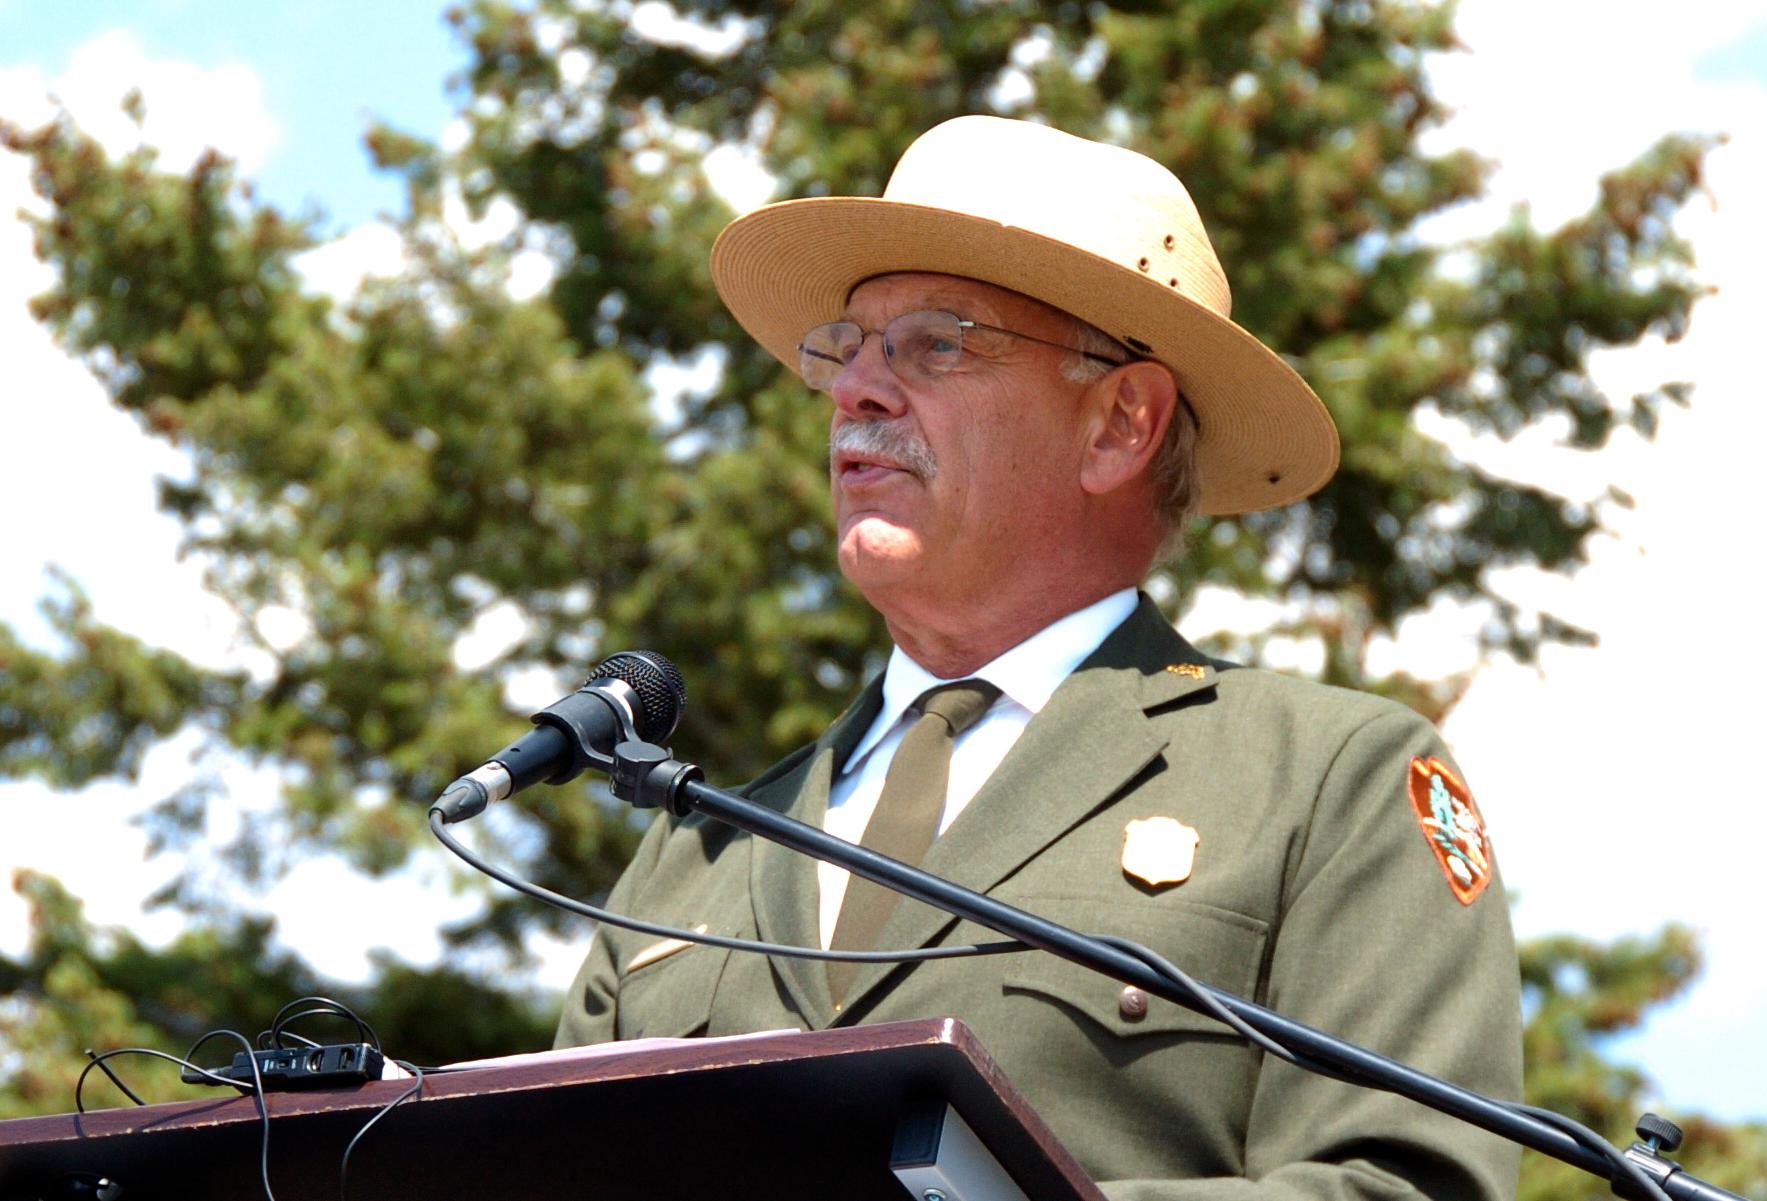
[1027, 674]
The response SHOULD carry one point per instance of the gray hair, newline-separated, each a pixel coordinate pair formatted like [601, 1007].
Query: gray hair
[1174, 467]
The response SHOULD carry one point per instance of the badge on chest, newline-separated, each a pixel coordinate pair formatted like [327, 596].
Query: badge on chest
[1159, 851]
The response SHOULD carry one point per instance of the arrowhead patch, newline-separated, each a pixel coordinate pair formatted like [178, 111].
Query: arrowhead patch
[1452, 825]
[1159, 850]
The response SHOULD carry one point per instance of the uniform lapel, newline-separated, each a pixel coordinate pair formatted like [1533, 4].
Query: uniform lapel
[783, 882]
[1091, 739]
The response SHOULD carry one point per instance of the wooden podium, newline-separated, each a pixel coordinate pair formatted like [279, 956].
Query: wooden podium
[769, 1118]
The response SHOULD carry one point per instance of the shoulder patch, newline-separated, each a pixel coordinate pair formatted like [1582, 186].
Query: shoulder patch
[1452, 825]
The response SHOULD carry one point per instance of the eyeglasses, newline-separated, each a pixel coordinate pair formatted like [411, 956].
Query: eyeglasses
[918, 346]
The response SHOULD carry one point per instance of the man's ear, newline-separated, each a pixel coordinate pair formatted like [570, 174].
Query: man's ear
[1132, 407]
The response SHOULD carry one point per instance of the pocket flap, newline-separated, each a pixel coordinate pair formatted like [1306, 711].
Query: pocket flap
[1213, 946]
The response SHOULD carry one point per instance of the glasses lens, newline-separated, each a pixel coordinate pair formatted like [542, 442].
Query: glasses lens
[924, 344]
[917, 345]
[826, 349]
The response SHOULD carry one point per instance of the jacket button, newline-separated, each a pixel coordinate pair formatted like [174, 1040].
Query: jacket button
[1132, 1003]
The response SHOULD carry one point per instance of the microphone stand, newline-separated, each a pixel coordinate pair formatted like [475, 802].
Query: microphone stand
[648, 777]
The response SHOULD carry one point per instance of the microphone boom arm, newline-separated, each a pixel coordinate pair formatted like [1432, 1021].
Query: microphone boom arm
[648, 777]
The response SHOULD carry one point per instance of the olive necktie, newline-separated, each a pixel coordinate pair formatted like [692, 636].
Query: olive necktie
[907, 815]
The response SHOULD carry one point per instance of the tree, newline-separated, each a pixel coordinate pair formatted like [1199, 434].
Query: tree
[84, 989]
[1578, 994]
[397, 465]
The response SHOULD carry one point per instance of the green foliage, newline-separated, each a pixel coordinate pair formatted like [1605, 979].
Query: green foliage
[397, 465]
[112, 698]
[80, 988]
[1577, 994]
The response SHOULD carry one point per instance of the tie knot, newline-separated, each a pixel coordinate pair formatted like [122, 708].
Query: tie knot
[961, 704]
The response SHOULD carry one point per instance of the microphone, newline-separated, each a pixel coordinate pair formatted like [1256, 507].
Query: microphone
[631, 696]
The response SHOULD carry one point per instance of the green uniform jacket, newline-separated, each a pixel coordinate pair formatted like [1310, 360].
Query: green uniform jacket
[1314, 892]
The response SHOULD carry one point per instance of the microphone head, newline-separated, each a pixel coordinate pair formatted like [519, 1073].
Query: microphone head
[662, 693]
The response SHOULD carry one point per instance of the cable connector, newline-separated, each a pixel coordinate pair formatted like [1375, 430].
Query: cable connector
[468, 796]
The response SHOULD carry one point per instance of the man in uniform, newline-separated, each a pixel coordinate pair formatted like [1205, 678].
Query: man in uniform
[1035, 384]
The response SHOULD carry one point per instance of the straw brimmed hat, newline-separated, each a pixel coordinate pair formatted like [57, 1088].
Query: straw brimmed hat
[1098, 231]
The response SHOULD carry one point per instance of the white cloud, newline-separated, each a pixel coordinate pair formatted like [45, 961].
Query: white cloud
[337, 268]
[1560, 93]
[531, 272]
[499, 222]
[87, 841]
[659, 22]
[736, 174]
[315, 902]
[283, 628]
[534, 687]
[1616, 779]
[88, 481]
[80, 495]
[189, 108]
[492, 634]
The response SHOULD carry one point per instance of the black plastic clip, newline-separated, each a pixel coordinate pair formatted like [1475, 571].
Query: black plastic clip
[645, 775]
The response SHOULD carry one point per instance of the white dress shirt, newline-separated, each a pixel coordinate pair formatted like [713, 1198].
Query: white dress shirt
[1027, 675]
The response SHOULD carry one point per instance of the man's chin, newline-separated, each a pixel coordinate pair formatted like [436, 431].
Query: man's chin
[875, 551]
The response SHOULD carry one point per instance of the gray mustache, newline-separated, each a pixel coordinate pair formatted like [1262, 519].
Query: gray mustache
[892, 440]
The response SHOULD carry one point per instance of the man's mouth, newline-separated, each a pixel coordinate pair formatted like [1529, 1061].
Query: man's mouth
[862, 452]
[864, 468]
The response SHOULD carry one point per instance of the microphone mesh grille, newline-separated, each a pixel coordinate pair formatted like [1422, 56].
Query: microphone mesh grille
[662, 693]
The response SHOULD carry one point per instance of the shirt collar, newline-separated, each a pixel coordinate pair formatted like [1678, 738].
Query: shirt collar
[1027, 674]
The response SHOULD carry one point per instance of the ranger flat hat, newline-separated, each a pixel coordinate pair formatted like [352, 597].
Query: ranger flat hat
[1098, 231]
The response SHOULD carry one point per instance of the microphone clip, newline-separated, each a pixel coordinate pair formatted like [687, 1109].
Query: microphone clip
[648, 777]
[577, 716]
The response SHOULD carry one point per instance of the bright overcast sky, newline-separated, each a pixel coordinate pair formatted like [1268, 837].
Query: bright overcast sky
[1609, 776]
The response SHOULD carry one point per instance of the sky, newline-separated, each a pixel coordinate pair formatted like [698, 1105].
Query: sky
[1613, 779]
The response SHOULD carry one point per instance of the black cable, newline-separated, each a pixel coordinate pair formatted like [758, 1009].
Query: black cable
[317, 1006]
[1179, 979]
[320, 1007]
[268, 1039]
[256, 1089]
[1212, 1007]
[283, 1031]
[1617, 1159]
[114, 1078]
[97, 1061]
[264, 1040]
[343, 1171]
[257, 1092]
[438, 827]
[1203, 998]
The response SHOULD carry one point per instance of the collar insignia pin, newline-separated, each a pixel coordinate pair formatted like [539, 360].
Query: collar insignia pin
[1189, 671]
[1159, 850]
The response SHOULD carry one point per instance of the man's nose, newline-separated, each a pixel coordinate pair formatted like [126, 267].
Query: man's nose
[866, 388]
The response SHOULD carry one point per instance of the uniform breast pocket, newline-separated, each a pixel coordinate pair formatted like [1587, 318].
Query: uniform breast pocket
[668, 993]
[1213, 946]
